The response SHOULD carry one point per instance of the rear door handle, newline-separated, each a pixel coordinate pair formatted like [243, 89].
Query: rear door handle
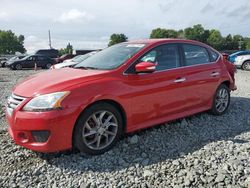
[213, 74]
[180, 80]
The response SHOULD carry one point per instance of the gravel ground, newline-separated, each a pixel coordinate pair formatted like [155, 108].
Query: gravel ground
[199, 151]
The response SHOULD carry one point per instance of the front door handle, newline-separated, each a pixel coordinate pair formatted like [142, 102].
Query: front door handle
[213, 74]
[180, 80]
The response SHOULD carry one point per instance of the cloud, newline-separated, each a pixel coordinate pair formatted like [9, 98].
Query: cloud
[4, 16]
[207, 8]
[74, 15]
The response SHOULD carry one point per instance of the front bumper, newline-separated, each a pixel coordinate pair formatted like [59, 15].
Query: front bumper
[238, 64]
[42, 131]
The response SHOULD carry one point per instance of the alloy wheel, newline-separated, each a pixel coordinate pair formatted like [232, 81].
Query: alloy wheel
[246, 66]
[100, 130]
[18, 67]
[48, 66]
[222, 100]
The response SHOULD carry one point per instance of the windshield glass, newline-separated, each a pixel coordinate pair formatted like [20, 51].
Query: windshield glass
[83, 57]
[76, 57]
[112, 57]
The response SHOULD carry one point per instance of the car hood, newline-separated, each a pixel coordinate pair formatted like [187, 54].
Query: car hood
[55, 80]
[65, 64]
[15, 61]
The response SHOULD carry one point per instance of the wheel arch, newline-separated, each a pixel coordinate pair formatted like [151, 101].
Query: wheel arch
[227, 83]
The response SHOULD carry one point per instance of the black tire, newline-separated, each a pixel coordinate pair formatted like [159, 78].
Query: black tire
[246, 66]
[47, 66]
[79, 140]
[18, 67]
[215, 110]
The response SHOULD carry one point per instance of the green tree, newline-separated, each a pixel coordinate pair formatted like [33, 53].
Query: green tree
[247, 41]
[239, 42]
[117, 38]
[215, 39]
[11, 43]
[163, 33]
[67, 50]
[197, 32]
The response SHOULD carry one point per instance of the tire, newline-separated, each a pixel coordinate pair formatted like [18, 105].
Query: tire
[246, 66]
[18, 67]
[221, 100]
[92, 135]
[47, 66]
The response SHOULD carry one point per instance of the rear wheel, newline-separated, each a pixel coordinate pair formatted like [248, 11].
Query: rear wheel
[246, 66]
[98, 128]
[48, 66]
[18, 67]
[221, 100]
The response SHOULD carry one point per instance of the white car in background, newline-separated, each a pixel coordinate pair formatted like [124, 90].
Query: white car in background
[243, 62]
[73, 61]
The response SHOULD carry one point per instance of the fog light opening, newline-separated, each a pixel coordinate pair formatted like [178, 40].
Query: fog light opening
[23, 137]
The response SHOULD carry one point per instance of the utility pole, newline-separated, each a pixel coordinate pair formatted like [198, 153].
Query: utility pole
[50, 41]
[240, 43]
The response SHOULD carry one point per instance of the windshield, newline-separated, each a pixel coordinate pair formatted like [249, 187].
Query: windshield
[83, 57]
[112, 57]
[76, 57]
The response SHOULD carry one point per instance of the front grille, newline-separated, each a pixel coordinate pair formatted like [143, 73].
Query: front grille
[13, 102]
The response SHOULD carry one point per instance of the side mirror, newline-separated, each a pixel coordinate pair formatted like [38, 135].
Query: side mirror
[145, 67]
[225, 56]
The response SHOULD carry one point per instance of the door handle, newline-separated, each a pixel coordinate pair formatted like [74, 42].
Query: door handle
[213, 74]
[180, 80]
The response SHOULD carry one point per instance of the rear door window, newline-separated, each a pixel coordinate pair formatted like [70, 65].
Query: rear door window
[195, 55]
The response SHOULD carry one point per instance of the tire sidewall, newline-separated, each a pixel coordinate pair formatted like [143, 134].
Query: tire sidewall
[47, 66]
[77, 134]
[20, 67]
[243, 66]
[214, 110]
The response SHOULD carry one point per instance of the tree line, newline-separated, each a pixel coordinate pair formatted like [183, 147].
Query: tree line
[11, 43]
[211, 37]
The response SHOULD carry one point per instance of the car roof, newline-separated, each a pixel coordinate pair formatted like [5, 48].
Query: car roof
[158, 41]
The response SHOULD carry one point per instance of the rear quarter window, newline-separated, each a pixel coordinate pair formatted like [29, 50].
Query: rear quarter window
[195, 55]
[214, 56]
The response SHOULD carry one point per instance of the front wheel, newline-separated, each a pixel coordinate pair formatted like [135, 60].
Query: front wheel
[98, 129]
[18, 67]
[221, 100]
[246, 66]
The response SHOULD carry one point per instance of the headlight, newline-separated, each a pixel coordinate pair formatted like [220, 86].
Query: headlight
[239, 58]
[46, 102]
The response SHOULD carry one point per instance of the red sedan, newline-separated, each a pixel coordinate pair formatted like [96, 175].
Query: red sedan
[124, 88]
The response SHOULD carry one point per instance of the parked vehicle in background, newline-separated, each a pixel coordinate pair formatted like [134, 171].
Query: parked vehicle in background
[3, 61]
[74, 61]
[52, 53]
[12, 59]
[64, 57]
[124, 88]
[83, 52]
[233, 56]
[31, 61]
[243, 62]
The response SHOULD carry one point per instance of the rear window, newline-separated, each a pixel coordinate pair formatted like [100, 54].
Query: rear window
[195, 55]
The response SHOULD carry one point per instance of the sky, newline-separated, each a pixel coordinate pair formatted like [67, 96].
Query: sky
[88, 24]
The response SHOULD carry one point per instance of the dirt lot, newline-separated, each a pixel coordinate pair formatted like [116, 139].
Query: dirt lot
[199, 151]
